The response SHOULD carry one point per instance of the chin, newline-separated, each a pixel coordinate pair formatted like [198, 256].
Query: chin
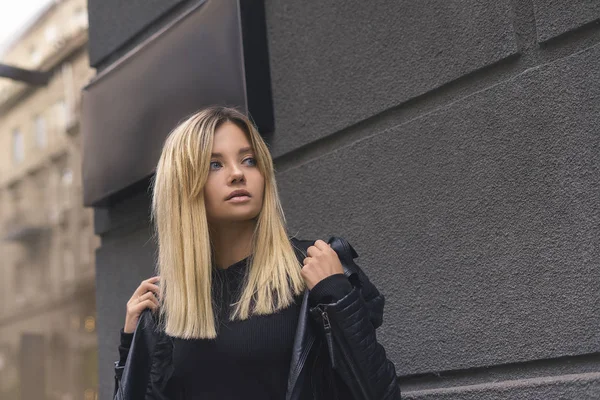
[240, 216]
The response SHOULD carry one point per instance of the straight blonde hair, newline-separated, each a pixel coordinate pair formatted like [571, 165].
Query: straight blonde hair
[181, 227]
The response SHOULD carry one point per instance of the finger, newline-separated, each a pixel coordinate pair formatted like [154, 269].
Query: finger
[321, 245]
[150, 281]
[146, 296]
[306, 260]
[154, 300]
[150, 304]
[150, 287]
[143, 305]
[313, 251]
[139, 290]
[143, 288]
[152, 296]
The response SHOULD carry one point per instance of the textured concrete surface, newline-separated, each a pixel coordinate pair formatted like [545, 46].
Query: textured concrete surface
[479, 221]
[477, 214]
[556, 17]
[579, 387]
[338, 62]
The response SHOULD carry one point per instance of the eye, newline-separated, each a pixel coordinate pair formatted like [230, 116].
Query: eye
[250, 161]
[215, 165]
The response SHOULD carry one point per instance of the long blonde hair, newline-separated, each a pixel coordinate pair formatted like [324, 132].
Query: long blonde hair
[181, 227]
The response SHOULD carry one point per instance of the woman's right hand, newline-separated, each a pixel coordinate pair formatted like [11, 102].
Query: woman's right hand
[145, 296]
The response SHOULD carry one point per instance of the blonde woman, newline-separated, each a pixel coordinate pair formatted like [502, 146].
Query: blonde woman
[238, 310]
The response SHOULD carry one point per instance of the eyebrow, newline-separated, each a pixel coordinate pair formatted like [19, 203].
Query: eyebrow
[242, 150]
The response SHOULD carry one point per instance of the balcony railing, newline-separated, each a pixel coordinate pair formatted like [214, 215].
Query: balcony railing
[24, 226]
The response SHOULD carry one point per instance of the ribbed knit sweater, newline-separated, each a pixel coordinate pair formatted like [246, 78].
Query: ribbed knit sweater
[249, 359]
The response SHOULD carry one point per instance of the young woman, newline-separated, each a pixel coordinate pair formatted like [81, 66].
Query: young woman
[238, 309]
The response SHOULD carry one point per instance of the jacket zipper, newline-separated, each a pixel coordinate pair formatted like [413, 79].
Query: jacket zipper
[347, 356]
[328, 337]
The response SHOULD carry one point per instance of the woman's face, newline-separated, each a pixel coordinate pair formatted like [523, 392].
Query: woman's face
[233, 169]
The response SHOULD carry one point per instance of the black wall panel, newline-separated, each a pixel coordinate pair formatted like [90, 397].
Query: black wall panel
[114, 23]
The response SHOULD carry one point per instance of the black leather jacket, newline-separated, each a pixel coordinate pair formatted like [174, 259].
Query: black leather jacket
[335, 355]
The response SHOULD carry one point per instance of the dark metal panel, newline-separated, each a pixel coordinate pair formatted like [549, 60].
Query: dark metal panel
[113, 23]
[196, 61]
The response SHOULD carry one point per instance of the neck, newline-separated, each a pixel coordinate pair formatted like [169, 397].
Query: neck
[232, 242]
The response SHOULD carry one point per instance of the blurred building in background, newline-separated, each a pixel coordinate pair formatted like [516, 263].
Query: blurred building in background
[48, 345]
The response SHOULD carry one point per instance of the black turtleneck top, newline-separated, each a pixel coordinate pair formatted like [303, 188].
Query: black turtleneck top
[248, 359]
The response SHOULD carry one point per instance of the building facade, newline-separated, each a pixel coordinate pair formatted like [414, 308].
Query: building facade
[454, 143]
[48, 344]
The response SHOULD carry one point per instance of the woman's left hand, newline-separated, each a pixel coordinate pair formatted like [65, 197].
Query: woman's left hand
[322, 261]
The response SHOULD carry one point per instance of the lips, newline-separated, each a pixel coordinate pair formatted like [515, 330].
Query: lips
[237, 193]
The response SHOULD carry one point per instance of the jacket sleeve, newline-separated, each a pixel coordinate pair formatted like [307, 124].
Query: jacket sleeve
[118, 394]
[354, 320]
[126, 339]
[148, 366]
[161, 369]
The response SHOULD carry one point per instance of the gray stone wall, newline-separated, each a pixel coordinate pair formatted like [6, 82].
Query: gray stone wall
[456, 145]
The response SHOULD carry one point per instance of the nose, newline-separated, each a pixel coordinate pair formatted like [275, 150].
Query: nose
[236, 175]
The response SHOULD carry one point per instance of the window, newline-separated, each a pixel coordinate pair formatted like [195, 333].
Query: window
[68, 264]
[20, 281]
[4, 214]
[86, 249]
[40, 131]
[61, 115]
[35, 56]
[18, 146]
[50, 34]
[58, 346]
[80, 18]
[67, 177]
[66, 180]
[15, 199]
